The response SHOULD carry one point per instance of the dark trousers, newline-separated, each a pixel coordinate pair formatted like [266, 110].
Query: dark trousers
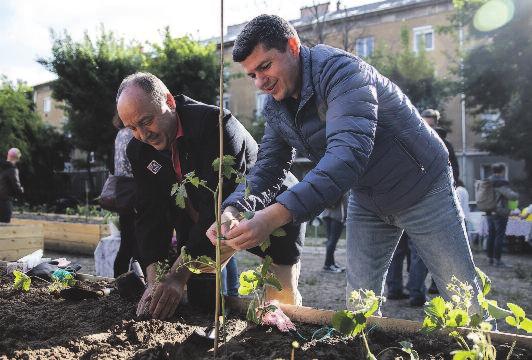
[6, 210]
[128, 244]
[496, 234]
[394, 278]
[334, 230]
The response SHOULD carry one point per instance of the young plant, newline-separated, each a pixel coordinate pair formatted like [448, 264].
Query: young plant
[21, 281]
[253, 282]
[441, 314]
[352, 323]
[61, 280]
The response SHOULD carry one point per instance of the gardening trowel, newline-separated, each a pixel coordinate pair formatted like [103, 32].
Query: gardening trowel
[76, 293]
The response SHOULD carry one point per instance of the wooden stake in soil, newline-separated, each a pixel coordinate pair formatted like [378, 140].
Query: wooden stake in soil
[220, 184]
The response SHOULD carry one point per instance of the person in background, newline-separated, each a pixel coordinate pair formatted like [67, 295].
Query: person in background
[463, 197]
[9, 184]
[126, 218]
[498, 219]
[334, 218]
[394, 278]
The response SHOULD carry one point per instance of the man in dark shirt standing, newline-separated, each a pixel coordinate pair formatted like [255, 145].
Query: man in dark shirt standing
[9, 184]
[172, 137]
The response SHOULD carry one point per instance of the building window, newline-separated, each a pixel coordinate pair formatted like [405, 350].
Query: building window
[47, 104]
[226, 101]
[364, 46]
[260, 101]
[423, 38]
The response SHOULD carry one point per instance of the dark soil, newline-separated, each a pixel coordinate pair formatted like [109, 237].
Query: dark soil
[36, 325]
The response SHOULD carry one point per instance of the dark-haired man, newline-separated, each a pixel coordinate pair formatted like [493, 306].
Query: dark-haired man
[363, 135]
[172, 137]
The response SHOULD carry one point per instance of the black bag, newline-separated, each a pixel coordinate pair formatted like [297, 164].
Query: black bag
[118, 194]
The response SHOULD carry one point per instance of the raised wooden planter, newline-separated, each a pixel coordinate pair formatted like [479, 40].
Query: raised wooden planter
[79, 238]
[17, 241]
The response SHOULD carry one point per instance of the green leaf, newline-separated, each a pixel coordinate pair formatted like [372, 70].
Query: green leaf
[266, 265]
[174, 189]
[407, 347]
[265, 244]
[180, 195]
[21, 281]
[457, 317]
[248, 282]
[485, 281]
[342, 321]
[495, 310]
[510, 320]
[475, 320]
[436, 308]
[272, 280]
[429, 325]
[526, 325]
[279, 232]
[517, 310]
[464, 355]
[240, 179]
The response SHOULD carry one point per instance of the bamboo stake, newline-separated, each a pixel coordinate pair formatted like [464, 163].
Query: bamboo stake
[220, 184]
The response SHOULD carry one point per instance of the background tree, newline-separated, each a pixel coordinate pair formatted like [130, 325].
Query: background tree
[498, 81]
[186, 67]
[89, 74]
[414, 73]
[44, 149]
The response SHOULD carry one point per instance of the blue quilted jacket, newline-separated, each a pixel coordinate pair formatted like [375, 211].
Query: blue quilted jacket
[361, 132]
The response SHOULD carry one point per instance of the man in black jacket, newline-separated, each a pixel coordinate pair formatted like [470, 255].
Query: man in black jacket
[9, 183]
[174, 136]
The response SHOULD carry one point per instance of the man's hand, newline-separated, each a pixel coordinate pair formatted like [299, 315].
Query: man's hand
[229, 221]
[166, 298]
[253, 232]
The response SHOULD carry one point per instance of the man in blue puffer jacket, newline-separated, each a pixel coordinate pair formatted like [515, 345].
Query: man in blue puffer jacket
[363, 134]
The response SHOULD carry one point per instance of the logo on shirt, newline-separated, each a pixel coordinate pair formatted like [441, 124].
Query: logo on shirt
[154, 166]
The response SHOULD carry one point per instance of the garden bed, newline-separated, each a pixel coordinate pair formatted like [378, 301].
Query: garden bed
[17, 241]
[37, 325]
[69, 233]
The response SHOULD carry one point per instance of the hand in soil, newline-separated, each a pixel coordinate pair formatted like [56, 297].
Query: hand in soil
[162, 299]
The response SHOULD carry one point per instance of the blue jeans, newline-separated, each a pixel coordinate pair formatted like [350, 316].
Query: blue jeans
[230, 276]
[334, 231]
[496, 234]
[435, 225]
[416, 277]
[394, 279]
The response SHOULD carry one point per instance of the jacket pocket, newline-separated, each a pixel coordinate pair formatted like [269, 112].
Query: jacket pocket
[410, 156]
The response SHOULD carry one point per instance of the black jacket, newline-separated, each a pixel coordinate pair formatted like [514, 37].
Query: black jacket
[157, 213]
[452, 156]
[9, 181]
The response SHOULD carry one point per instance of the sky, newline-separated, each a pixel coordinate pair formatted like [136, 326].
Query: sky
[25, 24]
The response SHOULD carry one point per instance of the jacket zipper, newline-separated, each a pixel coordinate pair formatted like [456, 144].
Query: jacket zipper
[410, 155]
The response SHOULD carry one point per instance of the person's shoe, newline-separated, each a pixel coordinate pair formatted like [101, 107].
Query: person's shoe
[332, 269]
[433, 289]
[416, 302]
[490, 261]
[397, 296]
[501, 264]
[342, 269]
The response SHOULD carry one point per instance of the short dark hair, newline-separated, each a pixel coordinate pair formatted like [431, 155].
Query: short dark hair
[498, 168]
[431, 113]
[271, 31]
[151, 84]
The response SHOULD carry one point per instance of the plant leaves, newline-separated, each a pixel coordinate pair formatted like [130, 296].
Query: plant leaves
[517, 310]
[526, 325]
[265, 244]
[342, 321]
[457, 318]
[279, 232]
[21, 281]
[485, 281]
[464, 355]
[436, 308]
[510, 320]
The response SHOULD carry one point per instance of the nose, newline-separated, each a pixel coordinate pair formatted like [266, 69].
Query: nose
[140, 134]
[260, 81]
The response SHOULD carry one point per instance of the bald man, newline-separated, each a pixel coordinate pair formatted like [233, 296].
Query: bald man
[172, 137]
[9, 184]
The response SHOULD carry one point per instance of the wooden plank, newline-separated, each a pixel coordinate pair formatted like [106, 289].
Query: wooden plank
[20, 231]
[69, 247]
[72, 237]
[35, 242]
[14, 255]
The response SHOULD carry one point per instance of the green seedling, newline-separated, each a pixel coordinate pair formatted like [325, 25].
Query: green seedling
[441, 314]
[21, 281]
[253, 282]
[352, 323]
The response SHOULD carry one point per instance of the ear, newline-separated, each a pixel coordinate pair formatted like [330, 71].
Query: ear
[293, 46]
[170, 101]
